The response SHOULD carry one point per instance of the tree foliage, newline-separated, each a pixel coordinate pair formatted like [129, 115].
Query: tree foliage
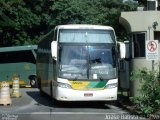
[26, 21]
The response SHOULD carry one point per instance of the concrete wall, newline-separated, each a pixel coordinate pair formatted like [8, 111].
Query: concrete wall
[141, 21]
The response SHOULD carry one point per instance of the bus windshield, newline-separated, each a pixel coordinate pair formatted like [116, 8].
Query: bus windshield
[86, 62]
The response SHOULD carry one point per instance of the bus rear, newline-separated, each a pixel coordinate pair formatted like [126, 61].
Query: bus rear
[19, 61]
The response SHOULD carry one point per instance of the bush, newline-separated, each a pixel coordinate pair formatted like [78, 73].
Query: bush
[148, 101]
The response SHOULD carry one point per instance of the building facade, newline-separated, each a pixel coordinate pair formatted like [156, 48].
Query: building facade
[141, 26]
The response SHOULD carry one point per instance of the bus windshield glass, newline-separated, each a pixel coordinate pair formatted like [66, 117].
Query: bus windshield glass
[86, 62]
[86, 36]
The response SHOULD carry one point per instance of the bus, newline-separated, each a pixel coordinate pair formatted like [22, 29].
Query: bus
[78, 62]
[18, 61]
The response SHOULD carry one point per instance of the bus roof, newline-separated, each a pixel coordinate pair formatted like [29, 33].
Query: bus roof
[18, 48]
[84, 26]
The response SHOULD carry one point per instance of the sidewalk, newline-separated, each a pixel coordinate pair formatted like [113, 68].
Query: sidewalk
[125, 102]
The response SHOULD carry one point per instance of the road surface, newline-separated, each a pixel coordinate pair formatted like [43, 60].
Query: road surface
[32, 106]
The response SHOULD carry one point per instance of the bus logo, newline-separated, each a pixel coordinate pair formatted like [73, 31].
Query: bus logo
[77, 83]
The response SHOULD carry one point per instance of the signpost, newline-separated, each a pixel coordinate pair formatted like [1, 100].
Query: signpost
[152, 49]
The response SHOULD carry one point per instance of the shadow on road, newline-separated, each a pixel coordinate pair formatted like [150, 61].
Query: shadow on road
[45, 101]
[49, 102]
[85, 104]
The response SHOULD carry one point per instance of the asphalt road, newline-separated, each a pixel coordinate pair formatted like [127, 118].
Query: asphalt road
[32, 106]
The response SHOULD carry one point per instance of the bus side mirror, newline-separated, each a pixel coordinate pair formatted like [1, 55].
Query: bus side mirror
[122, 50]
[54, 50]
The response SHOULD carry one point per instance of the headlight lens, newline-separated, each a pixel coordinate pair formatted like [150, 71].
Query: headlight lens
[63, 85]
[110, 86]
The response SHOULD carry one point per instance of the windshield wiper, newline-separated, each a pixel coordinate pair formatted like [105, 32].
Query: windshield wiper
[100, 77]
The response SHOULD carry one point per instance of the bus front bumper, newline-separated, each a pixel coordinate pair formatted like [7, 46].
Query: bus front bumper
[64, 94]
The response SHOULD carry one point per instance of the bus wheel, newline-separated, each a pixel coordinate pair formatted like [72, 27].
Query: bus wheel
[33, 82]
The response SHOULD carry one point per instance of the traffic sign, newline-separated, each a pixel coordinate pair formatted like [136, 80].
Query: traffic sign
[152, 49]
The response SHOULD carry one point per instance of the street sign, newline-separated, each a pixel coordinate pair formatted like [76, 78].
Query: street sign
[152, 49]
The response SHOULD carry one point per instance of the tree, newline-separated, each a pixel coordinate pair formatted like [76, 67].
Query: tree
[20, 22]
[26, 21]
[104, 12]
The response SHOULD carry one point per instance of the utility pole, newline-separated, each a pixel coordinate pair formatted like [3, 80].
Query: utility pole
[149, 28]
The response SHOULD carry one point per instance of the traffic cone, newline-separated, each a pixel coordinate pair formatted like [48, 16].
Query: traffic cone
[5, 98]
[15, 87]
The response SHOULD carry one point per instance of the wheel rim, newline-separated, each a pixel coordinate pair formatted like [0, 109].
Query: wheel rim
[33, 82]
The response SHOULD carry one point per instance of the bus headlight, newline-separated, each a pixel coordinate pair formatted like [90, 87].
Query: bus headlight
[112, 85]
[63, 85]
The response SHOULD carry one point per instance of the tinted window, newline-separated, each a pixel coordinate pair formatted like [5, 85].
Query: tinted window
[17, 56]
[139, 44]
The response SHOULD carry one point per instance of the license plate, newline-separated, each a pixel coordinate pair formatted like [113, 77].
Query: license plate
[88, 94]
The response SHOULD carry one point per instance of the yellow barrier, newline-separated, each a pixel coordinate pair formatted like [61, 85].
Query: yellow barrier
[15, 87]
[5, 98]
